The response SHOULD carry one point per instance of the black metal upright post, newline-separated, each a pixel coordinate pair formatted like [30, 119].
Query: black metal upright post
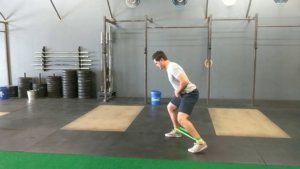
[104, 60]
[7, 50]
[145, 60]
[255, 59]
[209, 34]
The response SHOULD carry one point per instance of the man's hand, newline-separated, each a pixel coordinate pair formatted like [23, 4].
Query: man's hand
[177, 93]
[183, 82]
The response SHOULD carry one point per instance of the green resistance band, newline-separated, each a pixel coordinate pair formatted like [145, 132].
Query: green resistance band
[184, 132]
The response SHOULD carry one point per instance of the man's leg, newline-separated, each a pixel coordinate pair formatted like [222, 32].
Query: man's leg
[200, 144]
[173, 114]
[188, 125]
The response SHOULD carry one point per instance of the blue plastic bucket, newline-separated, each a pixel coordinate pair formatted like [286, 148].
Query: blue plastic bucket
[155, 97]
[4, 93]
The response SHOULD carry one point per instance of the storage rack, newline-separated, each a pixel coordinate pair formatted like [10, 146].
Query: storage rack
[61, 60]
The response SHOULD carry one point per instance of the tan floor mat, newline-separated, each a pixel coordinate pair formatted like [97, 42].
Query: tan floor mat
[244, 122]
[106, 118]
[3, 113]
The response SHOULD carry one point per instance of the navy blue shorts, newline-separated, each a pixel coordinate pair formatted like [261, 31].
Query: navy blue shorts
[186, 102]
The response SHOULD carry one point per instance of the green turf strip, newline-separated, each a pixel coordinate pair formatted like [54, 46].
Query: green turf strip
[26, 160]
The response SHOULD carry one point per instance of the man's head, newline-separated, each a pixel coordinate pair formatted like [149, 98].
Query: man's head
[159, 59]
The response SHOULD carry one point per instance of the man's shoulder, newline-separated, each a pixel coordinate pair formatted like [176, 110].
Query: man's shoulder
[173, 64]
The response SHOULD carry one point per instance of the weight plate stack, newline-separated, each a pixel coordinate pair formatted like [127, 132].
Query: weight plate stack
[13, 91]
[69, 84]
[24, 83]
[41, 89]
[54, 86]
[84, 80]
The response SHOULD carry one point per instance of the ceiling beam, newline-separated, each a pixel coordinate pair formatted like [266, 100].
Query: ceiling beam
[55, 9]
[2, 16]
[206, 9]
[248, 10]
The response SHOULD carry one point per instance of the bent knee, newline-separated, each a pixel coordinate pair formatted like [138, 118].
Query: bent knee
[181, 118]
[171, 107]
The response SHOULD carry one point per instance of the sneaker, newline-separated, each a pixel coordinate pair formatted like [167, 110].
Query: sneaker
[197, 148]
[173, 133]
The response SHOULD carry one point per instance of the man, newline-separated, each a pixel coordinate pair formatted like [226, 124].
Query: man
[186, 96]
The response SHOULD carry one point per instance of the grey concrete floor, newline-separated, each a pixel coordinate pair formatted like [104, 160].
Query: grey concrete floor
[36, 127]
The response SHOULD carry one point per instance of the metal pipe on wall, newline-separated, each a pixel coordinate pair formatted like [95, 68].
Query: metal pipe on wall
[137, 20]
[278, 26]
[7, 49]
[176, 27]
[255, 59]
[209, 35]
[109, 41]
[104, 59]
[233, 19]
[145, 60]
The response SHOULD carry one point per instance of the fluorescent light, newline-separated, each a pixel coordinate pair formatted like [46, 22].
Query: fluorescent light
[132, 3]
[280, 1]
[179, 3]
[229, 2]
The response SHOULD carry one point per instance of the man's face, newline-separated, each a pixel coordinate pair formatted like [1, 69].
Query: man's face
[158, 63]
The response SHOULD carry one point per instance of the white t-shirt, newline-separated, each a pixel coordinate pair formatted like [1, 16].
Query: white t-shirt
[173, 70]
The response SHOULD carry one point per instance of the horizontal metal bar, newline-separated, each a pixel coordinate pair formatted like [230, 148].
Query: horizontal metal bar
[82, 60]
[278, 26]
[3, 22]
[2, 31]
[138, 20]
[54, 68]
[82, 64]
[176, 27]
[233, 19]
[83, 56]
[61, 52]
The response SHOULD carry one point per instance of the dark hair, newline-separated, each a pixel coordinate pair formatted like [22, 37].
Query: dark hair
[159, 55]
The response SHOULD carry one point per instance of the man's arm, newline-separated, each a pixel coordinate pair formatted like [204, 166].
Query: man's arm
[183, 82]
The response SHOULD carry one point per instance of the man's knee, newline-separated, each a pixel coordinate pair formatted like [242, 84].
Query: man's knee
[171, 107]
[182, 117]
